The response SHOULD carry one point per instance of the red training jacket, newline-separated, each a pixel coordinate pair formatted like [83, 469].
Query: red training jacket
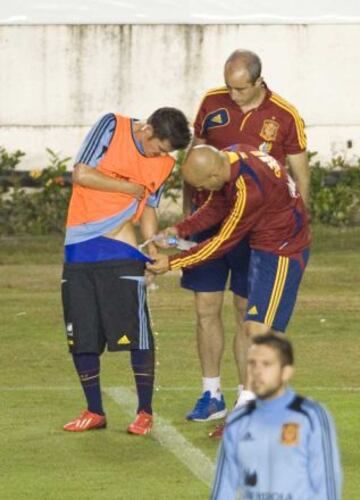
[260, 200]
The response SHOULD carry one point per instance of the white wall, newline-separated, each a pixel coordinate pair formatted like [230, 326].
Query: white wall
[175, 12]
[56, 80]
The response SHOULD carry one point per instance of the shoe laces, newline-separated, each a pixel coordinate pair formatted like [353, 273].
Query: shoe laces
[143, 417]
[202, 402]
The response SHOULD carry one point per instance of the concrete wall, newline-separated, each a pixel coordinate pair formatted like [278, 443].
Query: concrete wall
[56, 80]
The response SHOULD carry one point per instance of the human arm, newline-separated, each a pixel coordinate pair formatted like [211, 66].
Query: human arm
[295, 144]
[242, 215]
[227, 475]
[244, 212]
[324, 461]
[92, 150]
[214, 210]
[300, 171]
[92, 178]
[149, 227]
[209, 214]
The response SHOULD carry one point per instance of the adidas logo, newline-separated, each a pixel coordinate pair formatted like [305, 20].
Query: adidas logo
[247, 437]
[253, 310]
[123, 340]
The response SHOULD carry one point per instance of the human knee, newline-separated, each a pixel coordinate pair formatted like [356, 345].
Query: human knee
[240, 306]
[209, 305]
[253, 328]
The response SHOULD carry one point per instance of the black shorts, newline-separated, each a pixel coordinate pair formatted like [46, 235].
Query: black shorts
[105, 304]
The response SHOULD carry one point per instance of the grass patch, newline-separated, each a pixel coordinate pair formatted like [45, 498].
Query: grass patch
[39, 388]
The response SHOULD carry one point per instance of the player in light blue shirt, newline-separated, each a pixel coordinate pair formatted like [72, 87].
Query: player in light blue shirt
[280, 446]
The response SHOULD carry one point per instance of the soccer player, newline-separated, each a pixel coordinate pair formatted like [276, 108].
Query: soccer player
[251, 195]
[243, 111]
[117, 180]
[281, 445]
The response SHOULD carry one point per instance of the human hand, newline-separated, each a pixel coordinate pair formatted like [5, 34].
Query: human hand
[152, 251]
[149, 277]
[160, 264]
[161, 238]
[135, 190]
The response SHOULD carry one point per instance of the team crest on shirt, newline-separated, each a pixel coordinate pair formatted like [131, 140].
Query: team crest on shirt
[290, 434]
[217, 118]
[269, 130]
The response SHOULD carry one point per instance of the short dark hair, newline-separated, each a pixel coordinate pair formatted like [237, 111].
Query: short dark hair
[279, 343]
[171, 124]
[251, 60]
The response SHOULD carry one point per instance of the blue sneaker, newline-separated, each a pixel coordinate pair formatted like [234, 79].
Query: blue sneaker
[207, 408]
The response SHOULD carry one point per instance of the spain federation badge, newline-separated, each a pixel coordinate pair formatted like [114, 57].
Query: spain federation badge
[269, 130]
[290, 434]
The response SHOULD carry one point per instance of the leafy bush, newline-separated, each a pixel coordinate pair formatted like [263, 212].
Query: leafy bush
[39, 211]
[335, 192]
[8, 163]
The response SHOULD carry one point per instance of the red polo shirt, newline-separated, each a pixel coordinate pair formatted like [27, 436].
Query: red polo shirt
[274, 127]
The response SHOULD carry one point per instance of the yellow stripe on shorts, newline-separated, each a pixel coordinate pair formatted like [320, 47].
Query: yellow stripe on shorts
[280, 280]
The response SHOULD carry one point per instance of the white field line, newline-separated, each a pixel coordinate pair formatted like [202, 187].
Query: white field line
[198, 464]
[305, 389]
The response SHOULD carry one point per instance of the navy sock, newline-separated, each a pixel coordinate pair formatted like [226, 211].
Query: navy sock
[143, 363]
[88, 368]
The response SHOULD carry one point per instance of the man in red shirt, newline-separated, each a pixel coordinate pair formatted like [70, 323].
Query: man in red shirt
[244, 111]
[251, 194]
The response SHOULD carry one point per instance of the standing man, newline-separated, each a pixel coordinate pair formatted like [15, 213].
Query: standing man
[245, 111]
[281, 445]
[117, 179]
[251, 195]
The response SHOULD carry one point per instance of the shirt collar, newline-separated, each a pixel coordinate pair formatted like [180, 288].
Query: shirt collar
[279, 402]
[136, 142]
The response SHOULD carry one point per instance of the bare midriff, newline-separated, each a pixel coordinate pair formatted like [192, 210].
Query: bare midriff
[124, 232]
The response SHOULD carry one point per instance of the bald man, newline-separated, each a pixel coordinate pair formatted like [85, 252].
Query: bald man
[243, 111]
[251, 194]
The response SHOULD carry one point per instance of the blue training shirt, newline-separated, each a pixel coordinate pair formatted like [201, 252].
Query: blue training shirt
[282, 449]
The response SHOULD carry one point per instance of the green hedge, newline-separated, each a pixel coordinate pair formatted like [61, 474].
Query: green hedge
[335, 193]
[33, 211]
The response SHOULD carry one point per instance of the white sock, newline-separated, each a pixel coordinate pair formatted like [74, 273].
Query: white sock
[244, 397]
[212, 384]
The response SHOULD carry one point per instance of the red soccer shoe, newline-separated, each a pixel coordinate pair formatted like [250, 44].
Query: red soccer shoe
[142, 424]
[217, 433]
[87, 421]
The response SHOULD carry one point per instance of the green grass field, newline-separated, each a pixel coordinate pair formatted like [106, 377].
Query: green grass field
[39, 389]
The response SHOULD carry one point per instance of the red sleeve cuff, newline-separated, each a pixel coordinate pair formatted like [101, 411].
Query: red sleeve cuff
[181, 229]
[294, 151]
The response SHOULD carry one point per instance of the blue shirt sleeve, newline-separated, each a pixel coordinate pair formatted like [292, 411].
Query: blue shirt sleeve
[228, 470]
[154, 199]
[324, 460]
[97, 141]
